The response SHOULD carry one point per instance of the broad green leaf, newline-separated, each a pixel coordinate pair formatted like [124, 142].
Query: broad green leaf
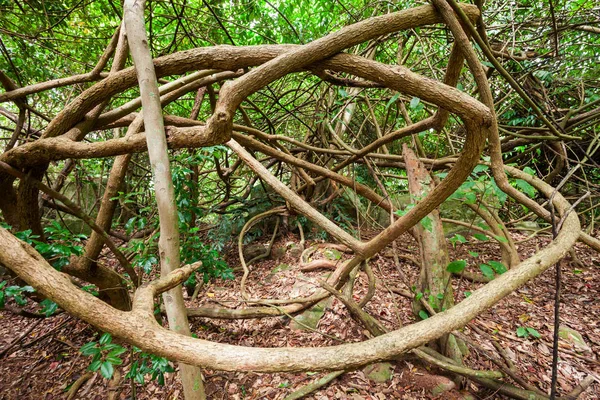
[501, 239]
[525, 187]
[105, 338]
[114, 360]
[529, 171]
[89, 349]
[48, 307]
[522, 332]
[427, 223]
[480, 168]
[423, 314]
[497, 266]
[457, 239]
[470, 198]
[481, 236]
[116, 352]
[456, 266]
[95, 365]
[414, 102]
[107, 369]
[534, 333]
[487, 271]
[392, 100]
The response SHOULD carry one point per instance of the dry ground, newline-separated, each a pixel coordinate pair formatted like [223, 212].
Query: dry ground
[45, 368]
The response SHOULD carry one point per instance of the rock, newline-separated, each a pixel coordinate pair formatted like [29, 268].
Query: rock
[443, 385]
[278, 252]
[295, 250]
[276, 270]
[332, 254]
[310, 318]
[253, 250]
[435, 385]
[574, 338]
[379, 372]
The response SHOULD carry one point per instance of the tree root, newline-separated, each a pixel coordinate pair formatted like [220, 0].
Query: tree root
[78, 384]
[316, 385]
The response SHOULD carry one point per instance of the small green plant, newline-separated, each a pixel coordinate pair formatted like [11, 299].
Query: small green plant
[16, 292]
[491, 268]
[61, 244]
[48, 307]
[149, 364]
[105, 355]
[525, 332]
[457, 239]
[456, 267]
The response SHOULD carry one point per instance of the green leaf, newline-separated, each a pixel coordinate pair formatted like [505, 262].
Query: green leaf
[48, 307]
[111, 346]
[114, 360]
[392, 100]
[497, 266]
[20, 300]
[534, 333]
[414, 102]
[456, 266]
[525, 187]
[458, 238]
[95, 365]
[116, 352]
[89, 349]
[501, 239]
[107, 369]
[105, 338]
[427, 223]
[481, 236]
[13, 291]
[474, 254]
[487, 271]
[470, 198]
[419, 296]
[522, 332]
[529, 171]
[423, 314]
[480, 168]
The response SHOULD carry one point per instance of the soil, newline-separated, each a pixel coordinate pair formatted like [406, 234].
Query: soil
[45, 368]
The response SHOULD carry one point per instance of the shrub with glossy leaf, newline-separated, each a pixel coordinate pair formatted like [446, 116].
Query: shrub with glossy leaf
[105, 355]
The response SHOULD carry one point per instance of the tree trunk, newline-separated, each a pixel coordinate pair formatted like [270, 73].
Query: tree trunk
[168, 244]
[434, 282]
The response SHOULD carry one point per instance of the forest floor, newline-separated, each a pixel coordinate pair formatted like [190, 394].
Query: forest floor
[46, 361]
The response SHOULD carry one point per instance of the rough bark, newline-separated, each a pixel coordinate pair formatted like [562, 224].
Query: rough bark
[434, 279]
